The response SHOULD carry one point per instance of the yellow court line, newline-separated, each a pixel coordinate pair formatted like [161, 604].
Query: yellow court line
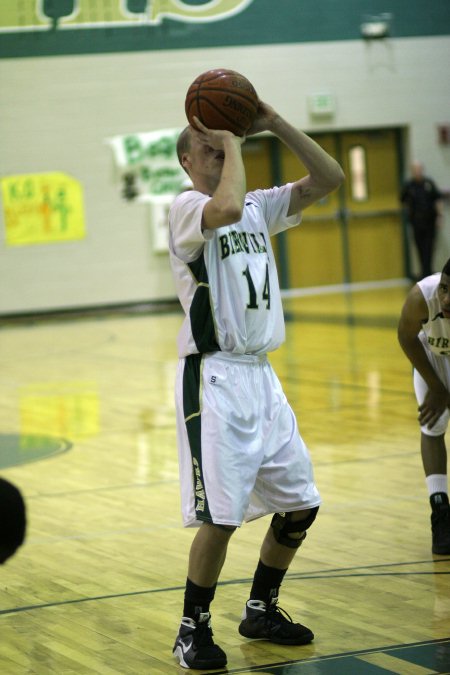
[395, 665]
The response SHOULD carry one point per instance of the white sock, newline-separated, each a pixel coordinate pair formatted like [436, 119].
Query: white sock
[437, 482]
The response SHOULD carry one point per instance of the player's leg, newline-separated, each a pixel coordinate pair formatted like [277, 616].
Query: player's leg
[286, 485]
[214, 491]
[434, 457]
[207, 554]
[284, 537]
[263, 618]
[434, 460]
[206, 558]
[194, 646]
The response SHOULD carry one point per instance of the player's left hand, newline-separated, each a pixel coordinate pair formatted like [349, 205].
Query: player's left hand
[264, 118]
[434, 404]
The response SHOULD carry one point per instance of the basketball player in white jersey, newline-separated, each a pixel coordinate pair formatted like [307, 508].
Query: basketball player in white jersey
[424, 335]
[240, 451]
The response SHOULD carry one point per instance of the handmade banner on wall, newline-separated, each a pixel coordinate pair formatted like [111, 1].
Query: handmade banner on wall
[42, 208]
[151, 174]
[148, 162]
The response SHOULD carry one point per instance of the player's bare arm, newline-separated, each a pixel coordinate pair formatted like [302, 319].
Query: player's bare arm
[220, 174]
[325, 174]
[413, 315]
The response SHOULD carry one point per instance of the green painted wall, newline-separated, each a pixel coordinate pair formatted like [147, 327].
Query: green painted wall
[253, 22]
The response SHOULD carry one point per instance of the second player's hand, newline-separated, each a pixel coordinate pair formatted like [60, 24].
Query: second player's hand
[434, 404]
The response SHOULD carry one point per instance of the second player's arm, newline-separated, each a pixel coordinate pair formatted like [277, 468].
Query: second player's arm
[414, 314]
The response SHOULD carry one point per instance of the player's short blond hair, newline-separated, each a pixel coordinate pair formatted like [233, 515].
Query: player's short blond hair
[183, 144]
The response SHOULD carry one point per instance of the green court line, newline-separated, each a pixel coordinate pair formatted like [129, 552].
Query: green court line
[428, 654]
[321, 574]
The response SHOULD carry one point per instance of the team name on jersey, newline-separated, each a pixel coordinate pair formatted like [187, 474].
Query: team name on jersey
[241, 242]
[440, 342]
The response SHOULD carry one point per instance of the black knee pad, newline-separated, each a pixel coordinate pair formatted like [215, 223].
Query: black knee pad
[291, 533]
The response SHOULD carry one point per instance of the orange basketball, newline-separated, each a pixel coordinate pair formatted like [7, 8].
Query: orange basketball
[222, 99]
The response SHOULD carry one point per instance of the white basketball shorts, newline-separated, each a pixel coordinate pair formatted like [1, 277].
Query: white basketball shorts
[441, 366]
[240, 452]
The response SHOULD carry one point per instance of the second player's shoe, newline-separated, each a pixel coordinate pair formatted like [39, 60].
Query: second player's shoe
[194, 646]
[270, 622]
[440, 528]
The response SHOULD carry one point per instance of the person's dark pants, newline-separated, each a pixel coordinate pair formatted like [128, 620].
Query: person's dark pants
[424, 238]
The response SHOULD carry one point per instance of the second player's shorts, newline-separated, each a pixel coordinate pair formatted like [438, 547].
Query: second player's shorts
[240, 451]
[441, 366]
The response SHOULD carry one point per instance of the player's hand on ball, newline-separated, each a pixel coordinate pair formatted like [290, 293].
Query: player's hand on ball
[264, 117]
[213, 137]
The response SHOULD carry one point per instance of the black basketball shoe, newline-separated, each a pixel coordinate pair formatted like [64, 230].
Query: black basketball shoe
[270, 622]
[440, 529]
[194, 646]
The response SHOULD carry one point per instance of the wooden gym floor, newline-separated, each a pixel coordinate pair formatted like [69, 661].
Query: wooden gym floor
[87, 432]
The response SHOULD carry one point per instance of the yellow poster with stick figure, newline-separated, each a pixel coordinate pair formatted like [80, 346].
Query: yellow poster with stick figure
[42, 208]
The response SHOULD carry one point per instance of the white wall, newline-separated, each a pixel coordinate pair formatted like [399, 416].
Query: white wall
[59, 111]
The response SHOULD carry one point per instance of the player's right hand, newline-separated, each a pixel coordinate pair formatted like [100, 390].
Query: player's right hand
[215, 138]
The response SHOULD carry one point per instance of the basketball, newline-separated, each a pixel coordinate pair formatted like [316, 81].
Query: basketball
[222, 99]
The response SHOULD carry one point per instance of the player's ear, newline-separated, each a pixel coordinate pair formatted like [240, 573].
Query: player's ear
[185, 161]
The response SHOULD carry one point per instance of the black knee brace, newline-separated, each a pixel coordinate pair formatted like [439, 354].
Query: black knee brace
[291, 533]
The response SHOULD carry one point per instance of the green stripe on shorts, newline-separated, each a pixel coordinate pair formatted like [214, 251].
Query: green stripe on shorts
[192, 380]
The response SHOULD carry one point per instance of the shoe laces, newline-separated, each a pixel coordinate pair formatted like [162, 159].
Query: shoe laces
[203, 632]
[276, 614]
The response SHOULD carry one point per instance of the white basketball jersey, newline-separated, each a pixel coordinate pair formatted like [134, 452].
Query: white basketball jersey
[436, 330]
[226, 278]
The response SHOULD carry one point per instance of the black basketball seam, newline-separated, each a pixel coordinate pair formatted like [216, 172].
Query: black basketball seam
[231, 120]
[216, 75]
[237, 94]
[197, 100]
[189, 106]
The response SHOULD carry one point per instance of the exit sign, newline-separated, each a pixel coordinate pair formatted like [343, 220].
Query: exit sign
[321, 104]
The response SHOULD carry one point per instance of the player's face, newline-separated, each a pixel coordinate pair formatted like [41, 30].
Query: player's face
[203, 160]
[444, 295]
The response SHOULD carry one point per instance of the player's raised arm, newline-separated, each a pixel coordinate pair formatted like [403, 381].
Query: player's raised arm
[213, 161]
[228, 185]
[325, 173]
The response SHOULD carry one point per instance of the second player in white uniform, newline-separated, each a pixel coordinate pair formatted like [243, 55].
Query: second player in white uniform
[424, 334]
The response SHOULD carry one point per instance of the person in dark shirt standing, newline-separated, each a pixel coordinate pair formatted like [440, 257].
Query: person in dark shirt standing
[422, 200]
